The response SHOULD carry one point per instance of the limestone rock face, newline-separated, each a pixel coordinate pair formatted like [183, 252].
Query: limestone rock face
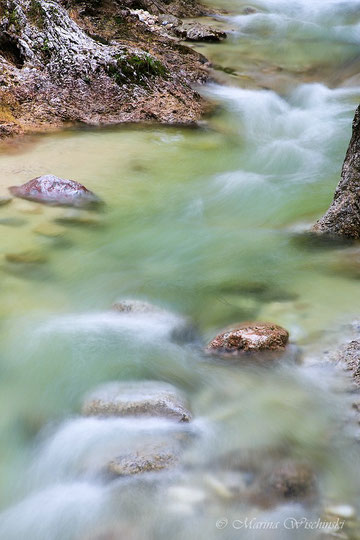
[52, 190]
[143, 398]
[343, 216]
[249, 337]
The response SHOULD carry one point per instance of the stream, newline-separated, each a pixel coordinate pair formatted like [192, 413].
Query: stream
[209, 223]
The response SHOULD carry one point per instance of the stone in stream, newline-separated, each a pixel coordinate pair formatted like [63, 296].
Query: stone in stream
[343, 217]
[78, 217]
[137, 398]
[181, 329]
[249, 338]
[191, 31]
[12, 222]
[289, 480]
[149, 459]
[349, 357]
[50, 189]
[49, 230]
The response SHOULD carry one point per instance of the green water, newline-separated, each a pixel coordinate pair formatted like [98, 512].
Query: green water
[206, 222]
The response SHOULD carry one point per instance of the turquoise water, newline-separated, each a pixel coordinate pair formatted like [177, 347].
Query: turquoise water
[207, 223]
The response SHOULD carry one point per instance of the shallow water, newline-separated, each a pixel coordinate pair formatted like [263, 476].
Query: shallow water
[207, 223]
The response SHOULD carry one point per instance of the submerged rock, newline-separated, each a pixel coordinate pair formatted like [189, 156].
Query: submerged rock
[50, 230]
[78, 217]
[50, 189]
[26, 257]
[5, 200]
[151, 459]
[250, 337]
[343, 216]
[289, 480]
[12, 222]
[143, 398]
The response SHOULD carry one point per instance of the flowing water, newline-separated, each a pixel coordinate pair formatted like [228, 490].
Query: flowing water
[208, 224]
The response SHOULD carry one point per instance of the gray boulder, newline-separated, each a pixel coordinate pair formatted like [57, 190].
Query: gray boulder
[137, 398]
[50, 189]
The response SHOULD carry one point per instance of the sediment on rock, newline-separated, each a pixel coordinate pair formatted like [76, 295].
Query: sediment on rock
[94, 63]
[343, 216]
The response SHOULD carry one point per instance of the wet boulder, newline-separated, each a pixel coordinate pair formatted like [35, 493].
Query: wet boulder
[149, 459]
[191, 31]
[50, 189]
[349, 357]
[133, 398]
[249, 338]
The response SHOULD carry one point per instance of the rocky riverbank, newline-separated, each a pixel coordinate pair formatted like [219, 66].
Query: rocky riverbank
[100, 62]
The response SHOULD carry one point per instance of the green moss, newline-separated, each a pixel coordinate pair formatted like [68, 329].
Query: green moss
[45, 48]
[136, 68]
[119, 20]
[13, 18]
[2, 8]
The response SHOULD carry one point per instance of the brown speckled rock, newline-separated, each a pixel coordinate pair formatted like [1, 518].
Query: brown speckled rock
[137, 398]
[249, 337]
[50, 189]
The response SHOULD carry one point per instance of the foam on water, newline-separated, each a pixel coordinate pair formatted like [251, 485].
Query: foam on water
[303, 19]
[82, 447]
[294, 136]
[63, 511]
